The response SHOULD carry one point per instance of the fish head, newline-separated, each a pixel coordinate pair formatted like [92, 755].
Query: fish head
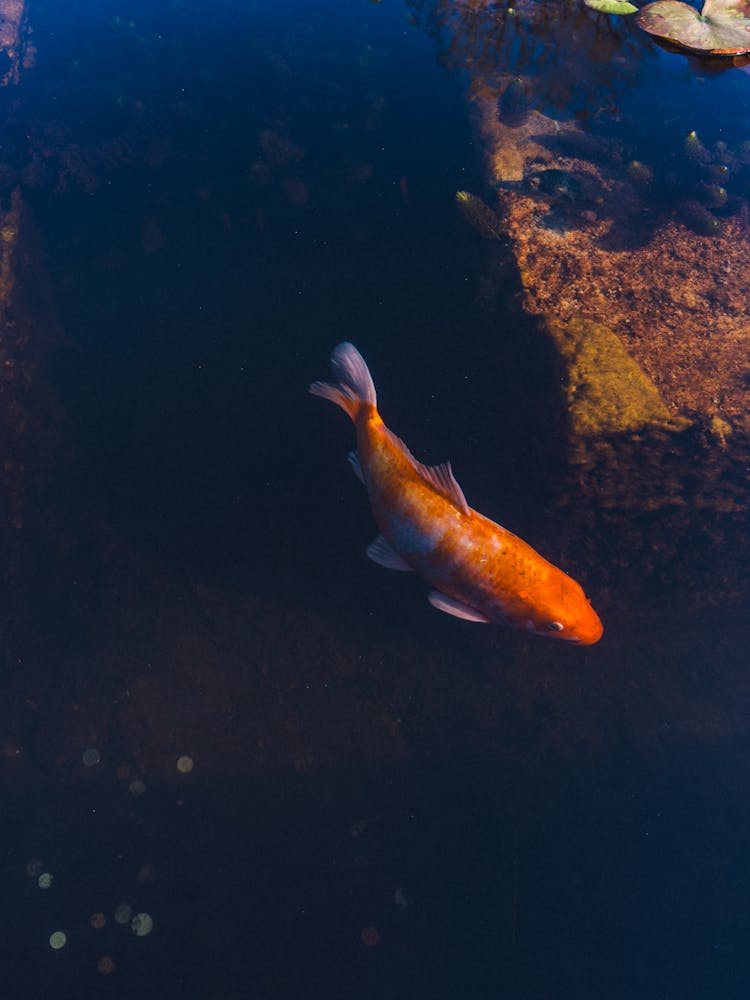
[570, 617]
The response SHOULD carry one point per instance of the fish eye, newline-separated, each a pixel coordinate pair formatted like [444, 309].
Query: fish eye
[555, 626]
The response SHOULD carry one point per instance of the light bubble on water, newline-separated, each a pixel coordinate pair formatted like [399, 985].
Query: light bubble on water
[137, 788]
[122, 913]
[97, 920]
[45, 880]
[106, 965]
[34, 867]
[91, 757]
[185, 764]
[58, 940]
[142, 924]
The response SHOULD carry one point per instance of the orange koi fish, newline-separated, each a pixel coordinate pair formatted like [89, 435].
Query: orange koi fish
[479, 571]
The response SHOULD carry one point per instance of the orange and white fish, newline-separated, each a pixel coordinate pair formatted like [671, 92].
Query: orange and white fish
[480, 571]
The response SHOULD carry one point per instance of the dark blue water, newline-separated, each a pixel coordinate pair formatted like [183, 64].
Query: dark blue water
[384, 801]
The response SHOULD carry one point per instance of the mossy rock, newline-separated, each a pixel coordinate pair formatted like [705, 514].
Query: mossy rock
[606, 391]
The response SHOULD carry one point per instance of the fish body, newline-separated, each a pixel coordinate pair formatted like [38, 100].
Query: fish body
[479, 570]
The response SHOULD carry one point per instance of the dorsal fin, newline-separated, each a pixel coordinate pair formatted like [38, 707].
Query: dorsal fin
[439, 476]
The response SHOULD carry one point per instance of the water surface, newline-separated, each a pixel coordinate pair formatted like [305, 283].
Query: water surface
[384, 801]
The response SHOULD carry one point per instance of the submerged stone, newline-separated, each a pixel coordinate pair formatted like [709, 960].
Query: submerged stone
[698, 218]
[515, 102]
[639, 173]
[553, 181]
[694, 148]
[720, 430]
[606, 391]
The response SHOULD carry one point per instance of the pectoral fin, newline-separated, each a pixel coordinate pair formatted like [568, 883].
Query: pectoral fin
[356, 466]
[455, 608]
[382, 553]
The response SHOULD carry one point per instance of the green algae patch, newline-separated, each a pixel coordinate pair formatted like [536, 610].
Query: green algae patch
[720, 430]
[479, 215]
[606, 391]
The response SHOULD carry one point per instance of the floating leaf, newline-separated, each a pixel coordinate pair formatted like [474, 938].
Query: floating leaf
[611, 6]
[721, 29]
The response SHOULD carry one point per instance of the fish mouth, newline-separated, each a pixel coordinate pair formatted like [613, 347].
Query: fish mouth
[593, 636]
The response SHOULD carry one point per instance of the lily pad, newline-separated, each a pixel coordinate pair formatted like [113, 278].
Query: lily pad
[721, 29]
[611, 6]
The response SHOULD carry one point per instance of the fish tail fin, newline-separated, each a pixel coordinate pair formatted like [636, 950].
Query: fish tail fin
[353, 387]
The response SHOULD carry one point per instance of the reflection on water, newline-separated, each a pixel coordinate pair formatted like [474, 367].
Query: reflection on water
[565, 57]
[238, 759]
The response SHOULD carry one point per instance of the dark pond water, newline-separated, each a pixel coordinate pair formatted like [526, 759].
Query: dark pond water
[372, 800]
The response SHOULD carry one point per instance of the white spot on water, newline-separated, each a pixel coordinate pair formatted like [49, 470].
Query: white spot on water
[142, 924]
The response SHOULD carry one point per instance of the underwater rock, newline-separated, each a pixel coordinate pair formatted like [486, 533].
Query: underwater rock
[640, 174]
[637, 476]
[606, 391]
[720, 430]
[698, 218]
[718, 172]
[725, 155]
[507, 163]
[511, 147]
[575, 143]
[567, 186]
[645, 276]
[515, 102]
[650, 328]
[15, 46]
[714, 195]
[694, 148]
